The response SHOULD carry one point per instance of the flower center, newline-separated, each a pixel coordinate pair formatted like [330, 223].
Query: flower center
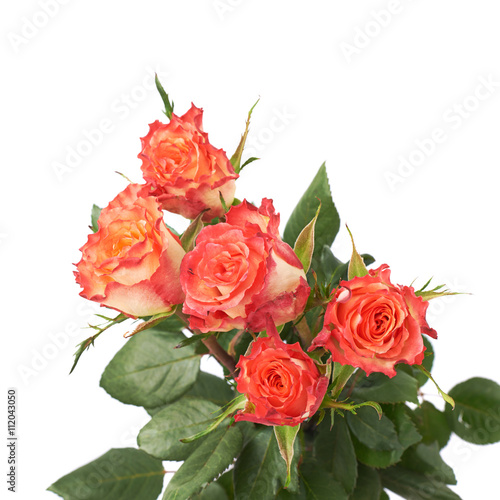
[381, 320]
[277, 380]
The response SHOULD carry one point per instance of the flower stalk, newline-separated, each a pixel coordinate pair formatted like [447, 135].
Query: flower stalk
[218, 352]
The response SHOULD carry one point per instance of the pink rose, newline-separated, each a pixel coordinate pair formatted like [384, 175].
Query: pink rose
[374, 325]
[183, 170]
[282, 384]
[132, 262]
[241, 270]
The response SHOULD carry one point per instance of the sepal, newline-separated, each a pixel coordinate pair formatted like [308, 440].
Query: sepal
[304, 244]
[169, 106]
[445, 396]
[188, 238]
[357, 268]
[285, 436]
[438, 291]
[236, 158]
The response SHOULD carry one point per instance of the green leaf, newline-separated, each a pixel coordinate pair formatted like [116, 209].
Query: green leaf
[476, 418]
[425, 458]
[236, 158]
[209, 460]
[326, 265]
[94, 216]
[169, 106]
[300, 494]
[377, 434]
[399, 415]
[331, 270]
[171, 324]
[285, 436]
[194, 339]
[148, 370]
[375, 441]
[304, 244]
[376, 458]
[237, 403]
[188, 238]
[226, 480]
[341, 273]
[415, 486]
[369, 486]
[214, 491]
[319, 485]
[160, 437]
[432, 424]
[357, 267]
[328, 222]
[211, 388]
[384, 495]
[120, 474]
[381, 388]
[222, 489]
[207, 387]
[260, 470]
[334, 451]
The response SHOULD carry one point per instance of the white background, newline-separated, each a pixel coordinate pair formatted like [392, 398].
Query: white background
[328, 93]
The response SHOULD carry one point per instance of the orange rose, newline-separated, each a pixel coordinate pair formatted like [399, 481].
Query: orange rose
[373, 324]
[241, 270]
[132, 262]
[282, 384]
[183, 170]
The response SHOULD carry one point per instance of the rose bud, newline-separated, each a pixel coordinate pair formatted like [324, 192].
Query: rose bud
[372, 324]
[282, 383]
[241, 270]
[132, 262]
[183, 170]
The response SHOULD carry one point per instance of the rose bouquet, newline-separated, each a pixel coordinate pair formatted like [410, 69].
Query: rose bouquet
[323, 360]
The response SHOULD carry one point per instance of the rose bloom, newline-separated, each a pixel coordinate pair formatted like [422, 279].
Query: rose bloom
[374, 325]
[132, 262]
[282, 383]
[241, 270]
[183, 170]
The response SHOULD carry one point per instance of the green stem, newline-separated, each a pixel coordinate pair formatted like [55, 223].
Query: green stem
[218, 352]
[330, 403]
[305, 334]
[214, 348]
